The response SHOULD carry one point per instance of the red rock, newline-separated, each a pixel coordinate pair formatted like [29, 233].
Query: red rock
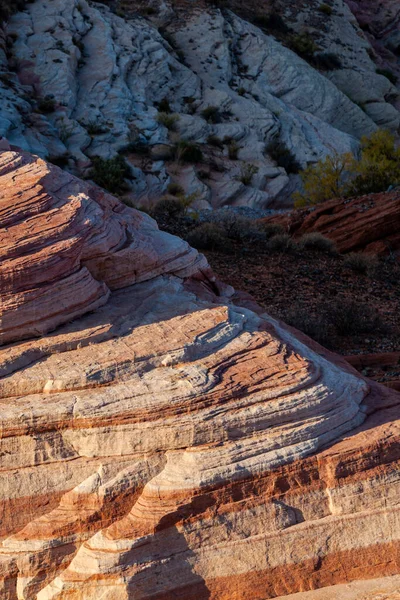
[369, 223]
[168, 439]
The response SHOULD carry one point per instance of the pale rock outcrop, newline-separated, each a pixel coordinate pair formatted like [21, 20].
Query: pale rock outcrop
[168, 439]
[88, 82]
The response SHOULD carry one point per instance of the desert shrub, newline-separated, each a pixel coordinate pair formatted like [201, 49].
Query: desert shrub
[233, 149]
[317, 241]
[9, 7]
[315, 326]
[164, 106]
[284, 157]
[272, 21]
[46, 105]
[208, 236]
[352, 318]
[110, 173]
[211, 114]
[214, 140]
[388, 74]
[247, 172]
[304, 45]
[362, 263]
[187, 151]
[272, 229]
[168, 208]
[324, 180]
[240, 228]
[94, 127]
[175, 189]
[378, 166]
[327, 61]
[280, 243]
[168, 120]
[325, 9]
[60, 160]
[343, 175]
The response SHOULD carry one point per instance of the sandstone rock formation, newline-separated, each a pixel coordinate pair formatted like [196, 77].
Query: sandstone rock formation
[78, 81]
[162, 438]
[370, 223]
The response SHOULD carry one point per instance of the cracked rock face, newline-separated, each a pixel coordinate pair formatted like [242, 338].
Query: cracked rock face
[78, 81]
[162, 437]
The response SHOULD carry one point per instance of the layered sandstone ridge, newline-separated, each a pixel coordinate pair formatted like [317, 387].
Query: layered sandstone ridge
[368, 223]
[160, 439]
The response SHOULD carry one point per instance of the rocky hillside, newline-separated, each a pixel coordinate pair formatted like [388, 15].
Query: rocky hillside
[226, 101]
[161, 436]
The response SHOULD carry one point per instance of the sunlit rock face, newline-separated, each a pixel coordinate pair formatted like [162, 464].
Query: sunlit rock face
[78, 81]
[161, 437]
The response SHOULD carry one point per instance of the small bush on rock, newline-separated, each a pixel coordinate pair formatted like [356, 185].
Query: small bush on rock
[211, 114]
[175, 189]
[315, 326]
[168, 120]
[317, 241]
[187, 151]
[281, 243]
[284, 157]
[208, 236]
[110, 173]
[365, 264]
[352, 318]
[247, 173]
[168, 208]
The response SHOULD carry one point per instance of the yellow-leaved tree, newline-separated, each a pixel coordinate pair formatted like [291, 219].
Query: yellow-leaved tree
[342, 175]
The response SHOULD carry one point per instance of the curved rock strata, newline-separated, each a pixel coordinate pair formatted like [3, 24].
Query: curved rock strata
[369, 223]
[160, 440]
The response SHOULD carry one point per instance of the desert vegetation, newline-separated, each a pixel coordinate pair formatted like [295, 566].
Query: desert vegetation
[375, 169]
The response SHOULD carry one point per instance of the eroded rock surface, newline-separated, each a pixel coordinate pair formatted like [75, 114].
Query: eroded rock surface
[369, 223]
[161, 439]
[78, 81]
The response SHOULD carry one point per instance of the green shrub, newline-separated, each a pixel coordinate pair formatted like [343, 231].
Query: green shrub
[325, 9]
[247, 172]
[164, 106]
[365, 264]
[284, 157]
[211, 114]
[46, 105]
[233, 150]
[304, 45]
[280, 243]
[317, 241]
[175, 189]
[315, 326]
[352, 318]
[272, 229]
[272, 21]
[187, 151]
[240, 228]
[208, 236]
[168, 208]
[110, 173]
[214, 140]
[168, 120]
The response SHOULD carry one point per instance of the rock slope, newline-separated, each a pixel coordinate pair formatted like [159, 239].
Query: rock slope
[79, 81]
[160, 437]
[369, 223]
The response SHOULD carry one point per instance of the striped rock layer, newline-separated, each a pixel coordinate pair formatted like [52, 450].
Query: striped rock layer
[160, 439]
